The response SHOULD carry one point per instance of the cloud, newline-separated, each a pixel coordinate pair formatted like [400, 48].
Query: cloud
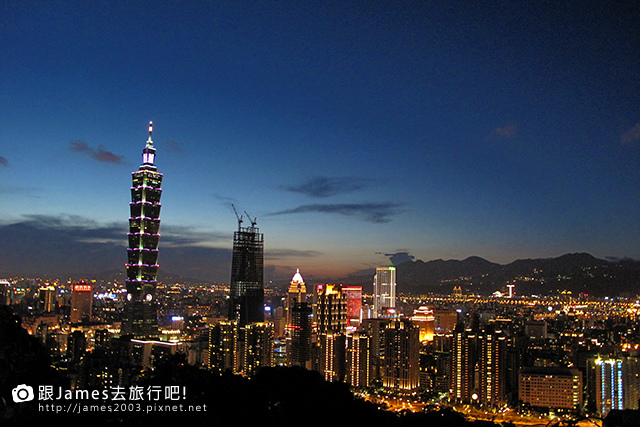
[323, 186]
[99, 154]
[68, 244]
[370, 212]
[174, 146]
[398, 257]
[30, 191]
[272, 254]
[177, 235]
[227, 200]
[4, 162]
[631, 135]
[508, 131]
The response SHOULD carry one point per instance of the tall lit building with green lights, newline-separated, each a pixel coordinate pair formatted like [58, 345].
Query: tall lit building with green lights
[384, 290]
[140, 317]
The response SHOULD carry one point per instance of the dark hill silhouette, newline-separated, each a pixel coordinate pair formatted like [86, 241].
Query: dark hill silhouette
[576, 272]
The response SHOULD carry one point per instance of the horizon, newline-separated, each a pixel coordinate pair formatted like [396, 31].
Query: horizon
[355, 133]
[286, 278]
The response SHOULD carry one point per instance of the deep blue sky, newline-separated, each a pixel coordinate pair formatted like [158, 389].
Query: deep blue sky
[352, 129]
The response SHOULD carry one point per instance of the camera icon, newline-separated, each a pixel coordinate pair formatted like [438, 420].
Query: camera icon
[22, 393]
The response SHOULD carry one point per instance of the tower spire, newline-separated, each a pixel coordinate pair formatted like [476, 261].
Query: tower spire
[149, 153]
[149, 141]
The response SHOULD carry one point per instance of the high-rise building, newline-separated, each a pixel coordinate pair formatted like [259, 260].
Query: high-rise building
[76, 347]
[463, 362]
[401, 365]
[331, 320]
[331, 309]
[423, 317]
[47, 299]
[246, 296]
[479, 365]
[333, 358]
[358, 359]
[81, 302]
[384, 289]
[353, 295]
[297, 293]
[617, 383]
[240, 349]
[256, 347]
[222, 344]
[140, 317]
[492, 361]
[609, 385]
[445, 320]
[299, 351]
[551, 388]
[374, 328]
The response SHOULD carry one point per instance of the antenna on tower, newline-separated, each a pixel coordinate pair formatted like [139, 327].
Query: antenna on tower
[237, 216]
[149, 141]
[253, 221]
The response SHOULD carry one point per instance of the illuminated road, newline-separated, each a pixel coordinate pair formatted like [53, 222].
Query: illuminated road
[398, 404]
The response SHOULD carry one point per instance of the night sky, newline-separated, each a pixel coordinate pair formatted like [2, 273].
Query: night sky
[352, 130]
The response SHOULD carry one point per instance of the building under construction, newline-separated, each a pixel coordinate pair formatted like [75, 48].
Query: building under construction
[246, 296]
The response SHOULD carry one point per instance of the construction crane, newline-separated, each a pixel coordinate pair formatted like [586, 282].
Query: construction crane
[253, 221]
[237, 216]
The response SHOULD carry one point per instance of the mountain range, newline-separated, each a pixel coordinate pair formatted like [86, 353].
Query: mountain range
[579, 273]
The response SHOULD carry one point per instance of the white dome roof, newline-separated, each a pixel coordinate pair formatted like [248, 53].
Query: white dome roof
[297, 277]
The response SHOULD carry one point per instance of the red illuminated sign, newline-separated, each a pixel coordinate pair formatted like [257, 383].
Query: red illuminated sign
[82, 288]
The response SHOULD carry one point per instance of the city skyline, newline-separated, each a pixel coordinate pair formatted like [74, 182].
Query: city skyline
[353, 132]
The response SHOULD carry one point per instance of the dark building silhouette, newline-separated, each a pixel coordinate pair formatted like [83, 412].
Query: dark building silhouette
[374, 328]
[76, 347]
[140, 317]
[246, 296]
[300, 330]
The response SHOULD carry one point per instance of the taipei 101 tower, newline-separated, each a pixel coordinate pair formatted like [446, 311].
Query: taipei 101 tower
[140, 317]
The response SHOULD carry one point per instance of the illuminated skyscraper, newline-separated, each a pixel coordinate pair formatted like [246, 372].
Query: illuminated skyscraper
[463, 362]
[425, 320]
[246, 296]
[615, 383]
[492, 348]
[81, 302]
[47, 299]
[353, 295]
[401, 365]
[331, 318]
[384, 289]
[256, 347]
[333, 362]
[140, 314]
[297, 294]
[358, 359]
[331, 309]
[222, 345]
